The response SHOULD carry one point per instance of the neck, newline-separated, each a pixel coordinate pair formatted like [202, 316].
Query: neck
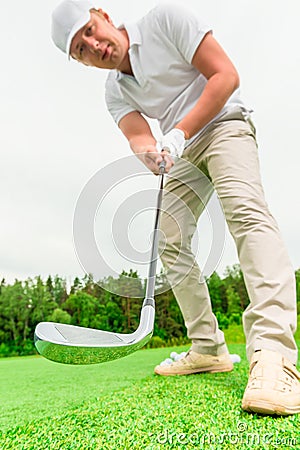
[125, 66]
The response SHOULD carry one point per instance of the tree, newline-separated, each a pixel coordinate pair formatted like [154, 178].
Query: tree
[130, 290]
[2, 284]
[60, 316]
[15, 309]
[57, 289]
[234, 280]
[82, 308]
[217, 292]
[38, 297]
[169, 321]
[76, 286]
[114, 317]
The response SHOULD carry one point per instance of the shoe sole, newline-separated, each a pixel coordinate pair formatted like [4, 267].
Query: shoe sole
[210, 369]
[263, 407]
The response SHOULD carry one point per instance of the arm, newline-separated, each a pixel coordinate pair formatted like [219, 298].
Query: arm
[142, 142]
[211, 60]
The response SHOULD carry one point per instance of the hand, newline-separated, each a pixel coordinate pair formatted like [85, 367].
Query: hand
[152, 158]
[173, 142]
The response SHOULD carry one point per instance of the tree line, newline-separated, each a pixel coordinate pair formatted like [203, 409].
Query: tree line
[88, 303]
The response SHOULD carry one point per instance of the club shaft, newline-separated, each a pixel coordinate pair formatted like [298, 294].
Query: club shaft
[150, 288]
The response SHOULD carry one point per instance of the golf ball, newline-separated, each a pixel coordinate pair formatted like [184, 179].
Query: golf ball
[176, 356]
[166, 362]
[235, 358]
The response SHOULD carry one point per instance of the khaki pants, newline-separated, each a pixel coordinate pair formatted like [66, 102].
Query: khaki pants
[224, 158]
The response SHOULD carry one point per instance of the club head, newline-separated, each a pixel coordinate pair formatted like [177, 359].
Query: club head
[69, 344]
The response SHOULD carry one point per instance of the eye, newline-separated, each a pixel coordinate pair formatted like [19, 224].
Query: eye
[89, 31]
[81, 48]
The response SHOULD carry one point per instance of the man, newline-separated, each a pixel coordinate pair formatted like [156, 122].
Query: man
[169, 67]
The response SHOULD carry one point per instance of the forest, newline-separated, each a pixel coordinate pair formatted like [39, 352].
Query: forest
[92, 304]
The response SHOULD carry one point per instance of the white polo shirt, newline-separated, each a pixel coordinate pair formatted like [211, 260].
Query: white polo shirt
[165, 85]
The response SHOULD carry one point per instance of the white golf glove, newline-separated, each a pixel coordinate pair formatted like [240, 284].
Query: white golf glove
[173, 142]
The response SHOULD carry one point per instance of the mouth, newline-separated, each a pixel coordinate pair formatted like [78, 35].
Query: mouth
[106, 53]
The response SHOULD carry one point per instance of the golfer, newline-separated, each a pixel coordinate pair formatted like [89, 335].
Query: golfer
[168, 66]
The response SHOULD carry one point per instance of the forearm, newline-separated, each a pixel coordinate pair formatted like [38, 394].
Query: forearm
[139, 142]
[216, 93]
[142, 142]
[137, 131]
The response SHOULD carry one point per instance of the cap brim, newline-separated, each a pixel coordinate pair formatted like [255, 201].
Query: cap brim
[84, 19]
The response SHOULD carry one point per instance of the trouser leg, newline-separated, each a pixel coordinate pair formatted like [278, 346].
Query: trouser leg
[270, 319]
[186, 193]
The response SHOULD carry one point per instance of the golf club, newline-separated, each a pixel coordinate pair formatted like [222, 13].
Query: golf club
[69, 344]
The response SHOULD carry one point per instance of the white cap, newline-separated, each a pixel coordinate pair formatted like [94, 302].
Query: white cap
[67, 18]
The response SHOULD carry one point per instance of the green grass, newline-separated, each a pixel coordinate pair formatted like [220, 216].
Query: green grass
[121, 405]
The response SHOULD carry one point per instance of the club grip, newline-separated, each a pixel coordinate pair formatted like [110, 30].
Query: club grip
[162, 166]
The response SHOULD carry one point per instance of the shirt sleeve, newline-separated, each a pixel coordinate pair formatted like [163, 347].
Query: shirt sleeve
[184, 30]
[116, 105]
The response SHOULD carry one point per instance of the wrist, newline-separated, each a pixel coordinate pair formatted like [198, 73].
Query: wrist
[173, 142]
[186, 134]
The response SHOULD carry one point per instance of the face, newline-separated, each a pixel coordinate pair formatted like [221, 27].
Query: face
[100, 44]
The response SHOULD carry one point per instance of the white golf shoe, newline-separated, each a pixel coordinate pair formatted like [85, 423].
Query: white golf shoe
[196, 363]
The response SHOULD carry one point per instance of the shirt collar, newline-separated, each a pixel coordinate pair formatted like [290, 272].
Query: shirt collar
[134, 34]
[135, 38]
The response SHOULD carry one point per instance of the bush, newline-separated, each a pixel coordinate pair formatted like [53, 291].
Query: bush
[27, 348]
[156, 342]
[223, 321]
[234, 334]
[178, 341]
[235, 318]
[7, 350]
[297, 334]
[60, 316]
[14, 349]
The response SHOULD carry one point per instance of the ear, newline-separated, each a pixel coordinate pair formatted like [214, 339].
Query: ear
[105, 15]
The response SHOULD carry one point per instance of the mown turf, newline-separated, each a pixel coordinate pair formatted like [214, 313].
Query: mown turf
[122, 405]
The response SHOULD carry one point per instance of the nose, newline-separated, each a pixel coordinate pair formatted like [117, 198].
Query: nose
[92, 42]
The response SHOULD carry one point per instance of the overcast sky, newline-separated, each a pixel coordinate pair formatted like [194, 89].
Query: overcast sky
[56, 133]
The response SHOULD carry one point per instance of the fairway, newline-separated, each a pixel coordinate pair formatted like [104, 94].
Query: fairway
[123, 405]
